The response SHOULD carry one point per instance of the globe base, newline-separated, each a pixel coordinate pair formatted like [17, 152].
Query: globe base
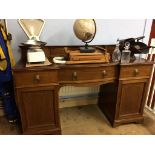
[87, 49]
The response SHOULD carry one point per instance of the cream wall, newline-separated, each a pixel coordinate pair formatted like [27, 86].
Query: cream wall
[60, 32]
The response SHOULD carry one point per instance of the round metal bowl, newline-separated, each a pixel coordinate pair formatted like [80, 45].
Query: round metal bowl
[34, 43]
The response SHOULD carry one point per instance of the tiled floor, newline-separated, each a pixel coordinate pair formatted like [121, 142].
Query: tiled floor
[89, 120]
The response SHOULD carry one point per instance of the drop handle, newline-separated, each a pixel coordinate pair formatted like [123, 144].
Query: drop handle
[37, 78]
[74, 75]
[136, 72]
[104, 73]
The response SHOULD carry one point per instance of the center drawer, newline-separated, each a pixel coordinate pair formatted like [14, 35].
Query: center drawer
[35, 78]
[87, 74]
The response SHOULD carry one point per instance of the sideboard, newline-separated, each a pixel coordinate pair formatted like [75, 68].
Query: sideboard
[122, 95]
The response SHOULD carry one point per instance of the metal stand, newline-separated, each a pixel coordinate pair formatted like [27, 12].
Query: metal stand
[87, 49]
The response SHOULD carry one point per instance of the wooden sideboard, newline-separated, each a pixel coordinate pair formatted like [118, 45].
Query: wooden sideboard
[123, 90]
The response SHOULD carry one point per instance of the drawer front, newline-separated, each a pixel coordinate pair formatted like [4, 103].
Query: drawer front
[87, 74]
[135, 71]
[34, 78]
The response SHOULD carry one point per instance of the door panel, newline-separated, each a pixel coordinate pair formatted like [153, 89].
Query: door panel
[131, 98]
[39, 108]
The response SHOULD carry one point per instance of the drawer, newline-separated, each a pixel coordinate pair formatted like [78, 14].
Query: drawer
[87, 74]
[135, 71]
[34, 78]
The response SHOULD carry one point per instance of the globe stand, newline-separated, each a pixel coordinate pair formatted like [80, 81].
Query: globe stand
[87, 49]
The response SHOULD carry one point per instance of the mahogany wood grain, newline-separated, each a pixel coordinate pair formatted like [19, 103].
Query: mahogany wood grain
[121, 98]
[35, 78]
[39, 109]
[87, 74]
[136, 71]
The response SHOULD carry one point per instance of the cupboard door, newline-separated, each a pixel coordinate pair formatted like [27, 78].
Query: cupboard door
[39, 110]
[132, 95]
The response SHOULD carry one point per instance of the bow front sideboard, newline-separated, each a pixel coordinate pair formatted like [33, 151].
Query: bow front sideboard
[122, 95]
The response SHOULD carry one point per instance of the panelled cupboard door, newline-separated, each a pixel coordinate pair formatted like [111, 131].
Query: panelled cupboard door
[38, 108]
[131, 98]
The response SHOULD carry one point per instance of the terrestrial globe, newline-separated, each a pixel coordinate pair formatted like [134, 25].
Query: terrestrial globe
[85, 30]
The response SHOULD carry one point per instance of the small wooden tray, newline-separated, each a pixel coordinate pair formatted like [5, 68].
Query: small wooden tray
[46, 63]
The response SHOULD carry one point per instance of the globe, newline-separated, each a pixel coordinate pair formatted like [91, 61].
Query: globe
[85, 30]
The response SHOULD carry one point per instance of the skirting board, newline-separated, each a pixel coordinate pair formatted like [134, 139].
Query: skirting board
[72, 102]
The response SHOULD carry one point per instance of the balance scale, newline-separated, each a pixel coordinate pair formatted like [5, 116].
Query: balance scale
[33, 29]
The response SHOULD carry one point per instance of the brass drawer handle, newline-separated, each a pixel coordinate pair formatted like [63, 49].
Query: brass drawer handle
[136, 72]
[74, 76]
[37, 78]
[104, 73]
